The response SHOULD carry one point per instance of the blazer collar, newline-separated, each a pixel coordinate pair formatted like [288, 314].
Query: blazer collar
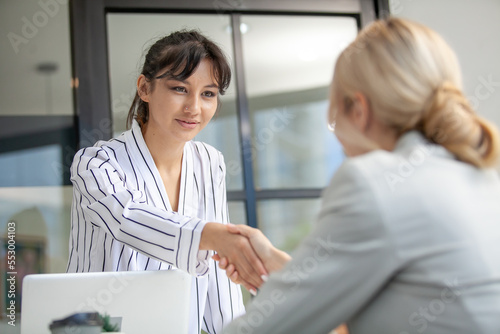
[145, 165]
[414, 139]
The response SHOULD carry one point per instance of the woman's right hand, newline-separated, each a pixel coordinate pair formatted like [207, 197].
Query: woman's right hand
[237, 250]
[273, 258]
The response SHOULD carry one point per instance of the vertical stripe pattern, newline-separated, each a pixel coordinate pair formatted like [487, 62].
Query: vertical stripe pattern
[122, 220]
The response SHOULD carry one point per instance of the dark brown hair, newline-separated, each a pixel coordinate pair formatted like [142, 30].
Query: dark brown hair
[179, 54]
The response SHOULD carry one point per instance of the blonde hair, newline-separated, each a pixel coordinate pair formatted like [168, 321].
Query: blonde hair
[412, 80]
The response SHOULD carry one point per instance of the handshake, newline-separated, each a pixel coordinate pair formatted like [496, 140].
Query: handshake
[244, 252]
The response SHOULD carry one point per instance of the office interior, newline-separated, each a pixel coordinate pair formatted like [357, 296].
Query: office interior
[68, 74]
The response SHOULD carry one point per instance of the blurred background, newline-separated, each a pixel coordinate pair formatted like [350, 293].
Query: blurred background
[68, 72]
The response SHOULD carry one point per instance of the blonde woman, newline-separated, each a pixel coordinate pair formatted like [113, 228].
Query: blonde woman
[408, 238]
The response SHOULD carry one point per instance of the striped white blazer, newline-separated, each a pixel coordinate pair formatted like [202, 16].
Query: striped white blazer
[121, 220]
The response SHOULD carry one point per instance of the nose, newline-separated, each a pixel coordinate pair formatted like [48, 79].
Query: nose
[193, 104]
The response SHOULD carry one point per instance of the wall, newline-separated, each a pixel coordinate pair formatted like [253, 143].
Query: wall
[471, 28]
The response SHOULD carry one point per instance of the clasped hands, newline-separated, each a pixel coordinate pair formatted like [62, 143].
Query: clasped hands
[244, 252]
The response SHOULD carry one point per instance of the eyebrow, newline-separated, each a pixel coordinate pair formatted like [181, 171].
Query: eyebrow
[213, 85]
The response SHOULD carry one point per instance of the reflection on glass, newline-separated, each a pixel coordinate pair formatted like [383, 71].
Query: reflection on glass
[40, 166]
[37, 219]
[126, 56]
[294, 147]
[287, 222]
[40, 214]
[36, 92]
[287, 74]
[35, 53]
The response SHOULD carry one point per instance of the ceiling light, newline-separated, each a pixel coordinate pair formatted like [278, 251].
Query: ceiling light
[243, 28]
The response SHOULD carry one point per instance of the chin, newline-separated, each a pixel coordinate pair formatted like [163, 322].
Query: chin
[185, 137]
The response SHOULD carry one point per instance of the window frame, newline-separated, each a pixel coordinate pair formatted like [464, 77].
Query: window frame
[91, 70]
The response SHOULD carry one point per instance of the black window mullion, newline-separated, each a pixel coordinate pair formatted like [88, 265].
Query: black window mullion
[289, 193]
[89, 52]
[244, 122]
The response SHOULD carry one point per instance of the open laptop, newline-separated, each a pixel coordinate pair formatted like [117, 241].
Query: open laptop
[147, 301]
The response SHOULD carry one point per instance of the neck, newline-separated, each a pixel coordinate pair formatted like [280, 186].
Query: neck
[385, 137]
[167, 154]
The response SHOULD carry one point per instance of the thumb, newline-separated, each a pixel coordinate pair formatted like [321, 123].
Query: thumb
[233, 228]
[244, 230]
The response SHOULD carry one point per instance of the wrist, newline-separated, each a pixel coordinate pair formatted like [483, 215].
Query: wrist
[279, 259]
[209, 236]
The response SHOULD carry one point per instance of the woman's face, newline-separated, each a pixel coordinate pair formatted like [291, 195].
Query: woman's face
[337, 116]
[347, 127]
[179, 110]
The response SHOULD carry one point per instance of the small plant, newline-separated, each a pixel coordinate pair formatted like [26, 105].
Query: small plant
[106, 324]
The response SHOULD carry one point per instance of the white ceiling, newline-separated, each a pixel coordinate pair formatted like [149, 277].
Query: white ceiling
[46, 38]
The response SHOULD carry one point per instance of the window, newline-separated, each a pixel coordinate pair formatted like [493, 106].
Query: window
[38, 138]
[286, 82]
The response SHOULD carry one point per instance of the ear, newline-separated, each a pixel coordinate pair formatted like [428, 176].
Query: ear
[361, 112]
[143, 88]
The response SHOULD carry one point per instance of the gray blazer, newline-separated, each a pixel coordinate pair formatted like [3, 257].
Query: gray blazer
[406, 242]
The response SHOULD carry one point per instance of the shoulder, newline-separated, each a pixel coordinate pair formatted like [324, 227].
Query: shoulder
[359, 188]
[364, 172]
[208, 160]
[205, 153]
[102, 152]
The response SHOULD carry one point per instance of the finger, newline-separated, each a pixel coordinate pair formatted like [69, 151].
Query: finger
[255, 262]
[233, 228]
[250, 268]
[245, 270]
[247, 273]
[216, 257]
[230, 270]
[223, 263]
[234, 277]
[249, 287]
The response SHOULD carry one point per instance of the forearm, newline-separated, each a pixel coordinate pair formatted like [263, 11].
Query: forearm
[166, 236]
[279, 259]
[210, 236]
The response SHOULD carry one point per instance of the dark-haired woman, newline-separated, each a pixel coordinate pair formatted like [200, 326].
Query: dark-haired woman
[153, 199]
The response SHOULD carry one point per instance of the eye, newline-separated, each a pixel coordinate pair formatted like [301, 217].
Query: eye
[179, 89]
[209, 94]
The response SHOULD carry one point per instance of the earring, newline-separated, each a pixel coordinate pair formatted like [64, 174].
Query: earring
[187, 108]
[331, 126]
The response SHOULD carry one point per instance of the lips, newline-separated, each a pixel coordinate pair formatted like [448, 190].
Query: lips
[187, 124]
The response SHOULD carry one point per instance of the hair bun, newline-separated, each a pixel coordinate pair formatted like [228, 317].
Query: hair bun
[449, 120]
